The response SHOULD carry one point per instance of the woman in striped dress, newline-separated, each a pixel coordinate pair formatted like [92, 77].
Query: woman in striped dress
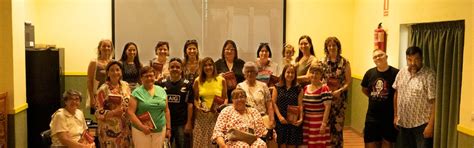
[317, 104]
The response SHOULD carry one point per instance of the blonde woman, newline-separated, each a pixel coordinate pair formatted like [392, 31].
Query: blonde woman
[96, 73]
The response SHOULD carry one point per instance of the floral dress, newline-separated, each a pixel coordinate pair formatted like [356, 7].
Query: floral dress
[113, 131]
[334, 75]
[229, 118]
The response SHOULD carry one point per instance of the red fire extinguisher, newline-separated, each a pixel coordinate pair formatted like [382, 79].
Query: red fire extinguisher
[380, 38]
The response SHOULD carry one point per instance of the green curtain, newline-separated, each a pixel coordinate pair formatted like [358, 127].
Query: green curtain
[442, 44]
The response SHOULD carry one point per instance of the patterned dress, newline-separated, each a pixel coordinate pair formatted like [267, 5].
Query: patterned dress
[287, 133]
[113, 131]
[229, 118]
[334, 73]
[205, 121]
[313, 116]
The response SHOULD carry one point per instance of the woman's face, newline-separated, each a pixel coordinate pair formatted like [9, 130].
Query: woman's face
[73, 102]
[175, 69]
[131, 51]
[290, 74]
[229, 51]
[239, 101]
[264, 53]
[192, 51]
[289, 52]
[114, 73]
[162, 51]
[208, 68]
[250, 74]
[106, 49]
[315, 76]
[148, 78]
[304, 45]
[332, 48]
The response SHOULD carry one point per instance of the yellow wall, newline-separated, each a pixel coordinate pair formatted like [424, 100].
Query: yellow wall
[368, 13]
[76, 25]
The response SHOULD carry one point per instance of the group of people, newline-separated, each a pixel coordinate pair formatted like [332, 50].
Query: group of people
[186, 99]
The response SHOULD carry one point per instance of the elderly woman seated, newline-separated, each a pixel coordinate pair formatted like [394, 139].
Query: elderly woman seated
[239, 125]
[68, 124]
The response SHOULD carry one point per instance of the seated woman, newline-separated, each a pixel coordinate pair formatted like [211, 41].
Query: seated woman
[68, 123]
[242, 118]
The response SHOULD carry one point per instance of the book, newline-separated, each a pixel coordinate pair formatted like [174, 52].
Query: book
[230, 79]
[113, 101]
[292, 113]
[87, 137]
[146, 119]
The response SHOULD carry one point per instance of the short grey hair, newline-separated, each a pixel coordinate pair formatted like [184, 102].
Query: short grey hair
[249, 65]
[70, 93]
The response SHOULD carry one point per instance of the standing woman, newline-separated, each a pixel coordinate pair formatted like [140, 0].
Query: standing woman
[191, 60]
[160, 62]
[305, 58]
[208, 87]
[257, 92]
[230, 62]
[288, 92]
[131, 65]
[96, 73]
[287, 54]
[337, 73]
[112, 103]
[266, 68]
[149, 98]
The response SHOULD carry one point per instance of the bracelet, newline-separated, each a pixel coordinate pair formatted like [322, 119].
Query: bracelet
[168, 128]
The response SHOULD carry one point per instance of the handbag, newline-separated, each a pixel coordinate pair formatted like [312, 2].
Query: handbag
[230, 79]
[236, 135]
[292, 113]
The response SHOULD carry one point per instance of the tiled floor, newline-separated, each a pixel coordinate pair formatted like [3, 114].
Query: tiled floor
[352, 139]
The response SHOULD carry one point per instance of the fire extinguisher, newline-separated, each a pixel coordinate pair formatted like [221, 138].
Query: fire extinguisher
[380, 38]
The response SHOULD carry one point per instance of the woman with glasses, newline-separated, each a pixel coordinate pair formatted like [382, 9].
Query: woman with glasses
[230, 62]
[191, 60]
[266, 68]
[151, 100]
[210, 92]
[112, 103]
[160, 62]
[131, 64]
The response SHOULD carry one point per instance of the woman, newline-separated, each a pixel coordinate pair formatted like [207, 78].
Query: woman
[131, 65]
[180, 103]
[149, 100]
[266, 68]
[317, 105]
[337, 73]
[210, 91]
[160, 62]
[96, 73]
[288, 53]
[68, 123]
[288, 93]
[112, 103]
[230, 62]
[242, 118]
[305, 57]
[257, 92]
[191, 60]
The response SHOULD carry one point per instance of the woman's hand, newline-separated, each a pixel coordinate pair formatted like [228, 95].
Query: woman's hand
[322, 129]
[146, 129]
[168, 133]
[188, 128]
[298, 123]
[336, 93]
[282, 120]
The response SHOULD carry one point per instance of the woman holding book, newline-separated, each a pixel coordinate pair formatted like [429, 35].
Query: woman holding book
[160, 62]
[266, 68]
[230, 66]
[210, 91]
[68, 123]
[287, 99]
[317, 106]
[239, 118]
[149, 112]
[112, 103]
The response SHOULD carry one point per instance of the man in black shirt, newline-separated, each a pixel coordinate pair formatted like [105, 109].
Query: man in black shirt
[377, 83]
[180, 103]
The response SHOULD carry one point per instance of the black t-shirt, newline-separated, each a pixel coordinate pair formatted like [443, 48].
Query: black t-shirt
[180, 93]
[381, 93]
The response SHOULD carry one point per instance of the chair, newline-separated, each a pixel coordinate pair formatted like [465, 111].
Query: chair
[46, 138]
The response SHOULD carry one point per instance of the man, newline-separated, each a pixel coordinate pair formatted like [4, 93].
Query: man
[180, 103]
[415, 102]
[377, 83]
